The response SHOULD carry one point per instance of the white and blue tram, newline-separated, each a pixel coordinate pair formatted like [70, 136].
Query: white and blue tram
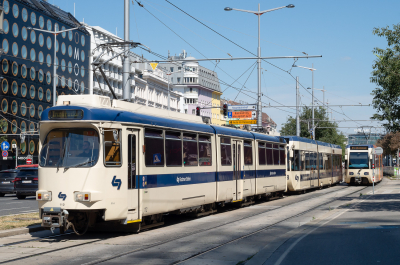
[312, 164]
[362, 164]
[119, 161]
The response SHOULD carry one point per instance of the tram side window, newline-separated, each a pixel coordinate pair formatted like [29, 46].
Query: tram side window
[276, 154]
[173, 148]
[329, 162]
[248, 153]
[270, 160]
[261, 154]
[112, 148]
[154, 147]
[190, 156]
[205, 157]
[307, 160]
[226, 151]
[281, 155]
[320, 161]
[302, 160]
[296, 160]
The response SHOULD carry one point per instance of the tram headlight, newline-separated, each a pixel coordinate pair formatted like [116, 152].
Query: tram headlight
[82, 196]
[43, 195]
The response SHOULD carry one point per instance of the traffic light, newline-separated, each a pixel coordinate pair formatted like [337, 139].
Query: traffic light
[197, 111]
[225, 109]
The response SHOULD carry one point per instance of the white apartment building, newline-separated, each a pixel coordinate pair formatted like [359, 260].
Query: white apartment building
[148, 87]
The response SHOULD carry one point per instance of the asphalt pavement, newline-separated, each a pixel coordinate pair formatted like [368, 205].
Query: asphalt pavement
[9, 205]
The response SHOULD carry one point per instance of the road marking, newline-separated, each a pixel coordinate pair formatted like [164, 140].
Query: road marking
[14, 209]
[13, 202]
[387, 191]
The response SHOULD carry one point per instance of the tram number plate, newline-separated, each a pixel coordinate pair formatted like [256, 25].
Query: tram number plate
[5, 182]
[27, 181]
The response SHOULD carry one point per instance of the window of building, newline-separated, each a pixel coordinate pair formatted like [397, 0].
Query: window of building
[154, 147]
[33, 55]
[23, 108]
[171, 69]
[226, 151]
[190, 156]
[32, 110]
[24, 33]
[15, 49]
[112, 148]
[33, 36]
[193, 111]
[32, 92]
[24, 52]
[15, 69]
[24, 90]
[173, 148]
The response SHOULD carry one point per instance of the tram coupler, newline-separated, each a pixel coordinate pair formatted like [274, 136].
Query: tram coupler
[53, 217]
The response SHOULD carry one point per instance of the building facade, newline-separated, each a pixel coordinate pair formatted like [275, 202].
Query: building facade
[217, 112]
[148, 87]
[27, 65]
[195, 83]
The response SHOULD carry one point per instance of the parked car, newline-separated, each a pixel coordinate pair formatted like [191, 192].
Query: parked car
[7, 181]
[26, 182]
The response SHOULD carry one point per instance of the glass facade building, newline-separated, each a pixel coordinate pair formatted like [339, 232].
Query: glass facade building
[27, 62]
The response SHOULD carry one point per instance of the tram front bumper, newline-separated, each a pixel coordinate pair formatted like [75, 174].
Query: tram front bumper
[53, 217]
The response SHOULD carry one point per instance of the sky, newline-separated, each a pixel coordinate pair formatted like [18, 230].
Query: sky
[340, 31]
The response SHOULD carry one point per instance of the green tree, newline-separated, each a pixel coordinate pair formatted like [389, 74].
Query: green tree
[390, 143]
[386, 75]
[328, 135]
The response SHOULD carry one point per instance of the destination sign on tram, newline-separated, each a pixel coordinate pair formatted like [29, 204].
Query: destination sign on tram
[358, 147]
[65, 114]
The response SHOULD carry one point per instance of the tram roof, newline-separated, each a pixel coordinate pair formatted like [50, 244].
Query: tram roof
[259, 136]
[232, 132]
[117, 115]
[310, 141]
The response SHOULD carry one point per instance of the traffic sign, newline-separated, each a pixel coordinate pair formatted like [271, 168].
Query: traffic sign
[242, 107]
[4, 153]
[29, 161]
[236, 122]
[5, 146]
[378, 151]
[240, 114]
[153, 65]
[14, 146]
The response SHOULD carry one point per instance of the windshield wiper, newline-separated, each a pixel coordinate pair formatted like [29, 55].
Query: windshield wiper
[62, 153]
[79, 165]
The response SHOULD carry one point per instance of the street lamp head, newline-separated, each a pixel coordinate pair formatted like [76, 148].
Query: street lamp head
[29, 28]
[309, 88]
[290, 6]
[228, 9]
[294, 65]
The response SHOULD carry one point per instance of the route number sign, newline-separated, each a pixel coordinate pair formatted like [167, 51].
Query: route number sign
[237, 122]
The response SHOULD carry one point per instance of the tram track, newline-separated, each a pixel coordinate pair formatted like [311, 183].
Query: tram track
[181, 236]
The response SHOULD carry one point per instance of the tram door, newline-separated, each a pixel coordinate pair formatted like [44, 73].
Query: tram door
[237, 170]
[133, 183]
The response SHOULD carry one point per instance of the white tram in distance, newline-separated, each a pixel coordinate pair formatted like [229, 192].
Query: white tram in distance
[312, 164]
[361, 164]
[126, 163]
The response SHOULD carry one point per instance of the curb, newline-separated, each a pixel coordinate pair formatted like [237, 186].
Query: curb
[20, 231]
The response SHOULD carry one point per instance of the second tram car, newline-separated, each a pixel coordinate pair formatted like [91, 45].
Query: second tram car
[362, 164]
[312, 164]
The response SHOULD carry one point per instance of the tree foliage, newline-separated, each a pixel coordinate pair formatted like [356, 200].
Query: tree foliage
[386, 75]
[328, 135]
[390, 143]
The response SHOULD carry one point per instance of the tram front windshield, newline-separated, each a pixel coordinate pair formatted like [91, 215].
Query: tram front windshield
[358, 160]
[77, 147]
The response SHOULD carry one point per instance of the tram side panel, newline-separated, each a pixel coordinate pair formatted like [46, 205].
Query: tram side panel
[183, 179]
[271, 163]
[249, 168]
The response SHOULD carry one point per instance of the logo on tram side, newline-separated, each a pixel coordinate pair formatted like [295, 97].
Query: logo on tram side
[116, 182]
[178, 179]
[62, 196]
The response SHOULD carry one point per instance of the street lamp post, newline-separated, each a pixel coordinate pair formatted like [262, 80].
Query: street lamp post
[258, 13]
[312, 95]
[55, 33]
